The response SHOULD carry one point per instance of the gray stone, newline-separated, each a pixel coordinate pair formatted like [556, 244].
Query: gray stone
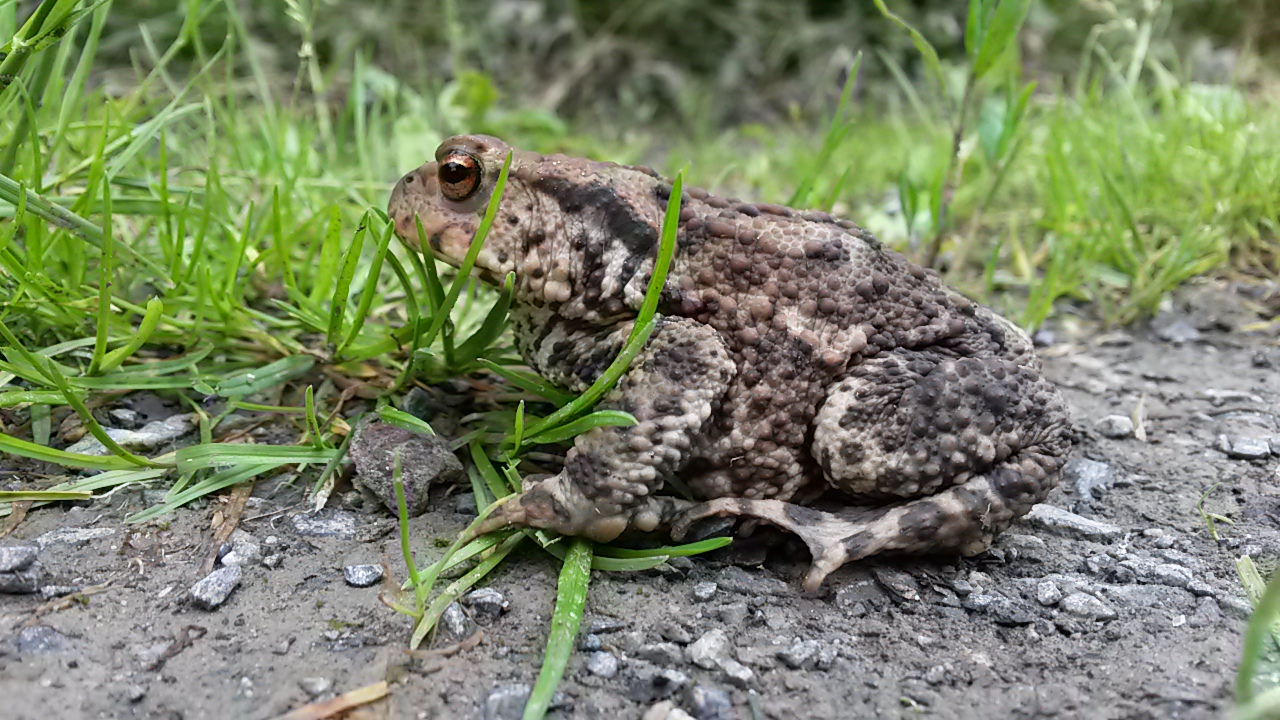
[125, 417]
[861, 590]
[1176, 331]
[1001, 609]
[602, 664]
[590, 643]
[604, 625]
[673, 631]
[506, 702]
[652, 683]
[1114, 426]
[456, 623]
[1083, 605]
[245, 550]
[49, 592]
[737, 580]
[487, 603]
[736, 673]
[733, 614]
[662, 653]
[216, 587]
[362, 576]
[1199, 588]
[1148, 596]
[1047, 593]
[326, 523]
[464, 504]
[710, 703]
[1087, 478]
[709, 649]
[1236, 607]
[315, 686]
[1068, 524]
[424, 461]
[17, 557]
[704, 591]
[1207, 613]
[41, 640]
[1247, 448]
[150, 436]
[800, 654]
[273, 561]
[135, 693]
[22, 582]
[665, 710]
[901, 586]
[70, 536]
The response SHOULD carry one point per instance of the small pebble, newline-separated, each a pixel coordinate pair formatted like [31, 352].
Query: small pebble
[704, 591]
[1047, 593]
[710, 703]
[40, 640]
[1084, 605]
[456, 623]
[800, 653]
[487, 603]
[362, 576]
[135, 693]
[602, 664]
[1247, 448]
[663, 653]
[216, 587]
[336, 523]
[315, 686]
[709, 649]
[273, 560]
[737, 673]
[1115, 426]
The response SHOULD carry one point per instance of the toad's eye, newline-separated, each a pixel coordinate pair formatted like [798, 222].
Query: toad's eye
[459, 176]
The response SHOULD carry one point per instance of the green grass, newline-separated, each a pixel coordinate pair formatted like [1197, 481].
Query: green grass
[213, 238]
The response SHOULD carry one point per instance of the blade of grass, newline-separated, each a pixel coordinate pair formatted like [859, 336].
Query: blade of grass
[571, 598]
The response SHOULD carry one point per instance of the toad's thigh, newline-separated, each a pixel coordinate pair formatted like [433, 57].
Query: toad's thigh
[911, 423]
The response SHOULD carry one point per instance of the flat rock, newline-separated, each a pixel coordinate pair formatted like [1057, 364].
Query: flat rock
[1068, 524]
[456, 623]
[362, 576]
[1246, 448]
[652, 683]
[150, 436]
[216, 587]
[704, 591]
[1149, 596]
[901, 586]
[737, 580]
[424, 461]
[1002, 610]
[17, 557]
[800, 654]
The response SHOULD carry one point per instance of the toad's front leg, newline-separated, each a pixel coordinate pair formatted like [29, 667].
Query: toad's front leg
[611, 473]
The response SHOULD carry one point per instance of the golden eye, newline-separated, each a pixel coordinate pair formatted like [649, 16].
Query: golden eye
[459, 175]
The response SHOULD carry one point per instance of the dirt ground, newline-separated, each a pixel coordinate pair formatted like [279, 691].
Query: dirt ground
[1133, 611]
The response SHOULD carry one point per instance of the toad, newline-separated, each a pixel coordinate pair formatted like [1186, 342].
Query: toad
[799, 373]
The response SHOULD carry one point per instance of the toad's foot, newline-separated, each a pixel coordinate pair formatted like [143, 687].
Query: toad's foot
[832, 540]
[558, 504]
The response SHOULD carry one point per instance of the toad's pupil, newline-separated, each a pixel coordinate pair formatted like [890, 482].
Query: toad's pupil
[454, 172]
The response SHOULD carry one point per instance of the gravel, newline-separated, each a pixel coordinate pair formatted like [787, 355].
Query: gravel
[737, 673]
[362, 576]
[1245, 448]
[456, 623]
[800, 654]
[315, 686]
[72, 536]
[41, 640]
[1048, 593]
[212, 591]
[710, 703]
[662, 653]
[652, 683]
[22, 582]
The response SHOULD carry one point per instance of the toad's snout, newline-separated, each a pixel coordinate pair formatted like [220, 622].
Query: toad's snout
[411, 195]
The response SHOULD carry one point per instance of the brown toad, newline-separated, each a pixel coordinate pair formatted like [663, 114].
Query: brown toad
[796, 362]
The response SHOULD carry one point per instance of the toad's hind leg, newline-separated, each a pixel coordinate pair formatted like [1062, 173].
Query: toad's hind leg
[963, 518]
[953, 450]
